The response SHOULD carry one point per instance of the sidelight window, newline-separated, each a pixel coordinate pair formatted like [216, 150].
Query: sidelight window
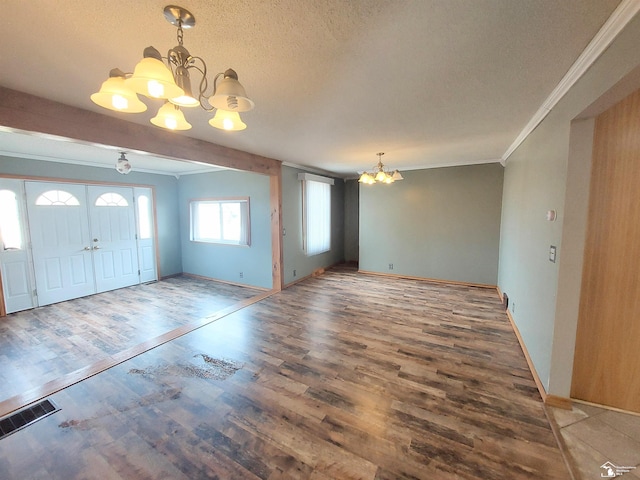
[10, 230]
[144, 217]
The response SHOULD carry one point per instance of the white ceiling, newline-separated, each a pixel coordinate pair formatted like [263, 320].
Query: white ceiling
[429, 82]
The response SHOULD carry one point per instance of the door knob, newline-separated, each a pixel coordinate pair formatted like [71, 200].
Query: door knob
[87, 248]
[97, 247]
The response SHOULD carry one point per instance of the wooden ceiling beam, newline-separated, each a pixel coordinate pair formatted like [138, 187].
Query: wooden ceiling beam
[30, 113]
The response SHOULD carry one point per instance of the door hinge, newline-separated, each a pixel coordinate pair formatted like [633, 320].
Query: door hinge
[35, 292]
[138, 272]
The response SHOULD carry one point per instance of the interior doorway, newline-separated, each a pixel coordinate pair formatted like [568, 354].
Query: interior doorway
[606, 363]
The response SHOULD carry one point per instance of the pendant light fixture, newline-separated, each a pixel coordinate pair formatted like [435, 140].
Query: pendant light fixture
[379, 174]
[122, 165]
[169, 78]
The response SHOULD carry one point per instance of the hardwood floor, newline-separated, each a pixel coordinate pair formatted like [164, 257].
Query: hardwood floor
[43, 344]
[342, 376]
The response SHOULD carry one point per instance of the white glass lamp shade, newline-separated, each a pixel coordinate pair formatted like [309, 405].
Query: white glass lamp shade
[230, 95]
[170, 116]
[153, 79]
[115, 95]
[226, 120]
[380, 176]
[185, 101]
[366, 179]
[397, 176]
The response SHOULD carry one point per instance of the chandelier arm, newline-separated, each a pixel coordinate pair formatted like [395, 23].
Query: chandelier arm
[204, 82]
[215, 81]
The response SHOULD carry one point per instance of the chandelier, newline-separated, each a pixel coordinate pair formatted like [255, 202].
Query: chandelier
[172, 82]
[379, 174]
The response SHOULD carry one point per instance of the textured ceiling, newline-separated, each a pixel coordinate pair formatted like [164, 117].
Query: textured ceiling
[429, 82]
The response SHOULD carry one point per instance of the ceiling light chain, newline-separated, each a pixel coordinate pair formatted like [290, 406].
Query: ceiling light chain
[379, 174]
[172, 82]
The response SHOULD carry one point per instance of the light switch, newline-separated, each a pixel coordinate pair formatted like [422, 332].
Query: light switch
[552, 253]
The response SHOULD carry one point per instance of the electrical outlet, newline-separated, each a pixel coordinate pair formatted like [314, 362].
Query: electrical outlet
[552, 253]
[391, 266]
[513, 307]
[241, 274]
[294, 273]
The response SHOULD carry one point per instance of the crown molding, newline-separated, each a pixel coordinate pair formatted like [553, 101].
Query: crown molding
[619, 19]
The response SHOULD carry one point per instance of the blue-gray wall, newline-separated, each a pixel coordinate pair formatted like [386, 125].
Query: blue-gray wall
[550, 170]
[441, 223]
[165, 187]
[294, 256]
[351, 220]
[225, 262]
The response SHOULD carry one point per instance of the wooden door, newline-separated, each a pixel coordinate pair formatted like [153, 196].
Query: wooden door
[606, 366]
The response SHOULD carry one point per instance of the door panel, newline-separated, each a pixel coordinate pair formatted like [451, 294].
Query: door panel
[15, 257]
[146, 247]
[60, 241]
[113, 232]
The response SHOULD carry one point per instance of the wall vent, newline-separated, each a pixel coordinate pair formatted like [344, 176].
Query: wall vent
[25, 417]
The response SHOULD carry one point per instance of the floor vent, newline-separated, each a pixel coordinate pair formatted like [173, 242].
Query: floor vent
[25, 417]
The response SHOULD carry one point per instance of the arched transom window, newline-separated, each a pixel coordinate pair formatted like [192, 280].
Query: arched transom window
[57, 198]
[111, 199]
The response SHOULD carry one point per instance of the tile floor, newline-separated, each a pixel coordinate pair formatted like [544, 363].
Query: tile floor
[594, 436]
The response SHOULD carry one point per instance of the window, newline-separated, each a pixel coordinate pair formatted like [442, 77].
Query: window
[57, 198]
[316, 213]
[144, 217]
[220, 221]
[111, 200]
[10, 230]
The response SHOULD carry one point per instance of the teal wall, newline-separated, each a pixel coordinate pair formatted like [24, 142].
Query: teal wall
[166, 192]
[294, 256]
[550, 170]
[441, 223]
[225, 262]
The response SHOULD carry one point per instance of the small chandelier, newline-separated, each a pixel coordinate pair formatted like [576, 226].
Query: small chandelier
[379, 174]
[172, 83]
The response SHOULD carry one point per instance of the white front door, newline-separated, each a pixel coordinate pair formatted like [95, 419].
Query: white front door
[61, 243]
[113, 237]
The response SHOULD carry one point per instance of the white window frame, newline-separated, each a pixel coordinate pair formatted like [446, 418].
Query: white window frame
[316, 213]
[245, 221]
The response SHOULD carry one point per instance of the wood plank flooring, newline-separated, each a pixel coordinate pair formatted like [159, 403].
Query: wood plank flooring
[43, 344]
[342, 376]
